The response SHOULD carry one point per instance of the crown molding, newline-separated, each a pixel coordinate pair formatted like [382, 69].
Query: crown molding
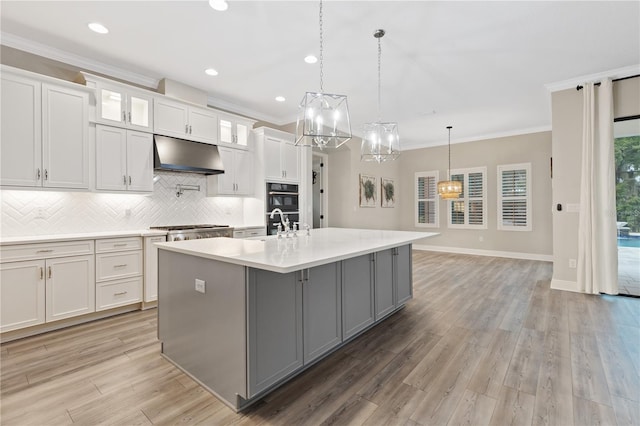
[49, 52]
[30, 46]
[478, 138]
[573, 82]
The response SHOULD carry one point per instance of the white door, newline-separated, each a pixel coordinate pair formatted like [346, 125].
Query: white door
[290, 160]
[226, 183]
[140, 161]
[203, 125]
[170, 119]
[139, 116]
[65, 137]
[111, 158]
[70, 287]
[272, 164]
[243, 164]
[111, 105]
[21, 132]
[22, 298]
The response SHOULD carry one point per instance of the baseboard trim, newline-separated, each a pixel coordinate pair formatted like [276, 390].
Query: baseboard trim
[491, 253]
[565, 285]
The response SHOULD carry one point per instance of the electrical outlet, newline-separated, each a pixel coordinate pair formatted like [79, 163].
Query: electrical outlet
[572, 263]
[200, 286]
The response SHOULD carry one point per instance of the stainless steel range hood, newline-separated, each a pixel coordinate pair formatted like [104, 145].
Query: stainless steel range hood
[179, 155]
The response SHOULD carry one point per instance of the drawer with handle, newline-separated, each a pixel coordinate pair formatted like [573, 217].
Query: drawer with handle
[118, 293]
[110, 266]
[18, 252]
[118, 244]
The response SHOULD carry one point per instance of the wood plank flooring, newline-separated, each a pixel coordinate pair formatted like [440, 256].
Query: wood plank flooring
[485, 341]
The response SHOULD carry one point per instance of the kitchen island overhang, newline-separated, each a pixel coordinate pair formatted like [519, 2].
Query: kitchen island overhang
[244, 316]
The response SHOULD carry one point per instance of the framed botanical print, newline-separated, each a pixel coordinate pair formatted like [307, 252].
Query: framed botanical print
[368, 191]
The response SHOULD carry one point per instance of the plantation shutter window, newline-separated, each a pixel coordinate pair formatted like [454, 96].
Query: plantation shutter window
[514, 197]
[469, 210]
[426, 209]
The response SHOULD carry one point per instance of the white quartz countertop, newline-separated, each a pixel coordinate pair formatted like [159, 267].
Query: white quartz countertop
[324, 245]
[80, 236]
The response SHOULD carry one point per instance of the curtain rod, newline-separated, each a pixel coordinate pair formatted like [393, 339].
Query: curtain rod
[616, 79]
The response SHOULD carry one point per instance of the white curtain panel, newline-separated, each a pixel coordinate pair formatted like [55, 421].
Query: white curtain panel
[597, 238]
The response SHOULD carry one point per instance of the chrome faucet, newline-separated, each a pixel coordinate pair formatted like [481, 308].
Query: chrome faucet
[285, 223]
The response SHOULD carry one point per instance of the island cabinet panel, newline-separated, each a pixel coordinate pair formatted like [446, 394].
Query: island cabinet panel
[384, 283]
[275, 327]
[322, 310]
[357, 294]
[403, 273]
[204, 333]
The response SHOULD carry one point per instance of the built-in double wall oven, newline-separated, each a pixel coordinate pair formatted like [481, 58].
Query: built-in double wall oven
[283, 196]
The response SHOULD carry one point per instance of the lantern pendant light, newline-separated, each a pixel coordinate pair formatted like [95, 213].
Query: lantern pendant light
[380, 141]
[449, 189]
[323, 118]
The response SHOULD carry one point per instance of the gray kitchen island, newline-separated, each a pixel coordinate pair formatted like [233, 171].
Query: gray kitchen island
[242, 317]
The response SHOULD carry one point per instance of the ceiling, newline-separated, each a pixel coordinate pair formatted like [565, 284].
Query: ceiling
[479, 66]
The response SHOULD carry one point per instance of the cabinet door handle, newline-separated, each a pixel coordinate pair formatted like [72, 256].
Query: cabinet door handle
[46, 174]
[190, 129]
[120, 266]
[44, 251]
[124, 179]
[124, 116]
[120, 245]
[41, 272]
[38, 173]
[120, 293]
[50, 273]
[129, 180]
[186, 128]
[129, 117]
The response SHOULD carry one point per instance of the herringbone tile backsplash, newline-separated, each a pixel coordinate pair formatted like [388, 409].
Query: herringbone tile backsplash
[26, 213]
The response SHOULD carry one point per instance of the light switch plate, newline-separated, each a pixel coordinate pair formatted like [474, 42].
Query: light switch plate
[573, 208]
[200, 286]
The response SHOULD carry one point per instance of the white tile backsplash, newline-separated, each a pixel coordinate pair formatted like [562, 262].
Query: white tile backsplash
[26, 213]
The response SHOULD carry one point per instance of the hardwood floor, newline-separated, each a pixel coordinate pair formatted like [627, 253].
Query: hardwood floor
[484, 341]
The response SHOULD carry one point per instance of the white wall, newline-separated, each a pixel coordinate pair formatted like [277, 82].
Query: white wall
[47, 212]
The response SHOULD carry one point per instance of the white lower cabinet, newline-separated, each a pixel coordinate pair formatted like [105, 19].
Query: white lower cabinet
[275, 328]
[357, 294]
[70, 289]
[118, 272]
[43, 283]
[322, 309]
[22, 294]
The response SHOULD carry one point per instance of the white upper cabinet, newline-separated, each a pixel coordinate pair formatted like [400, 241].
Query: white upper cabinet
[124, 160]
[45, 133]
[237, 178]
[120, 105]
[21, 129]
[233, 129]
[185, 121]
[281, 160]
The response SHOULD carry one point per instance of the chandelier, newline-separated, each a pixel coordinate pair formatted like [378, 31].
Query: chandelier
[323, 118]
[449, 189]
[380, 140]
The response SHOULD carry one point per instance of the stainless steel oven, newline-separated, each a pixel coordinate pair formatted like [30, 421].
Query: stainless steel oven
[283, 196]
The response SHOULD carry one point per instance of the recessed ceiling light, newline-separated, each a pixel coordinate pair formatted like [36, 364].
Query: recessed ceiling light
[280, 98]
[211, 71]
[98, 28]
[219, 5]
[311, 59]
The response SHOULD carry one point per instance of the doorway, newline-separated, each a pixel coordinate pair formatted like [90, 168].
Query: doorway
[320, 185]
[627, 160]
